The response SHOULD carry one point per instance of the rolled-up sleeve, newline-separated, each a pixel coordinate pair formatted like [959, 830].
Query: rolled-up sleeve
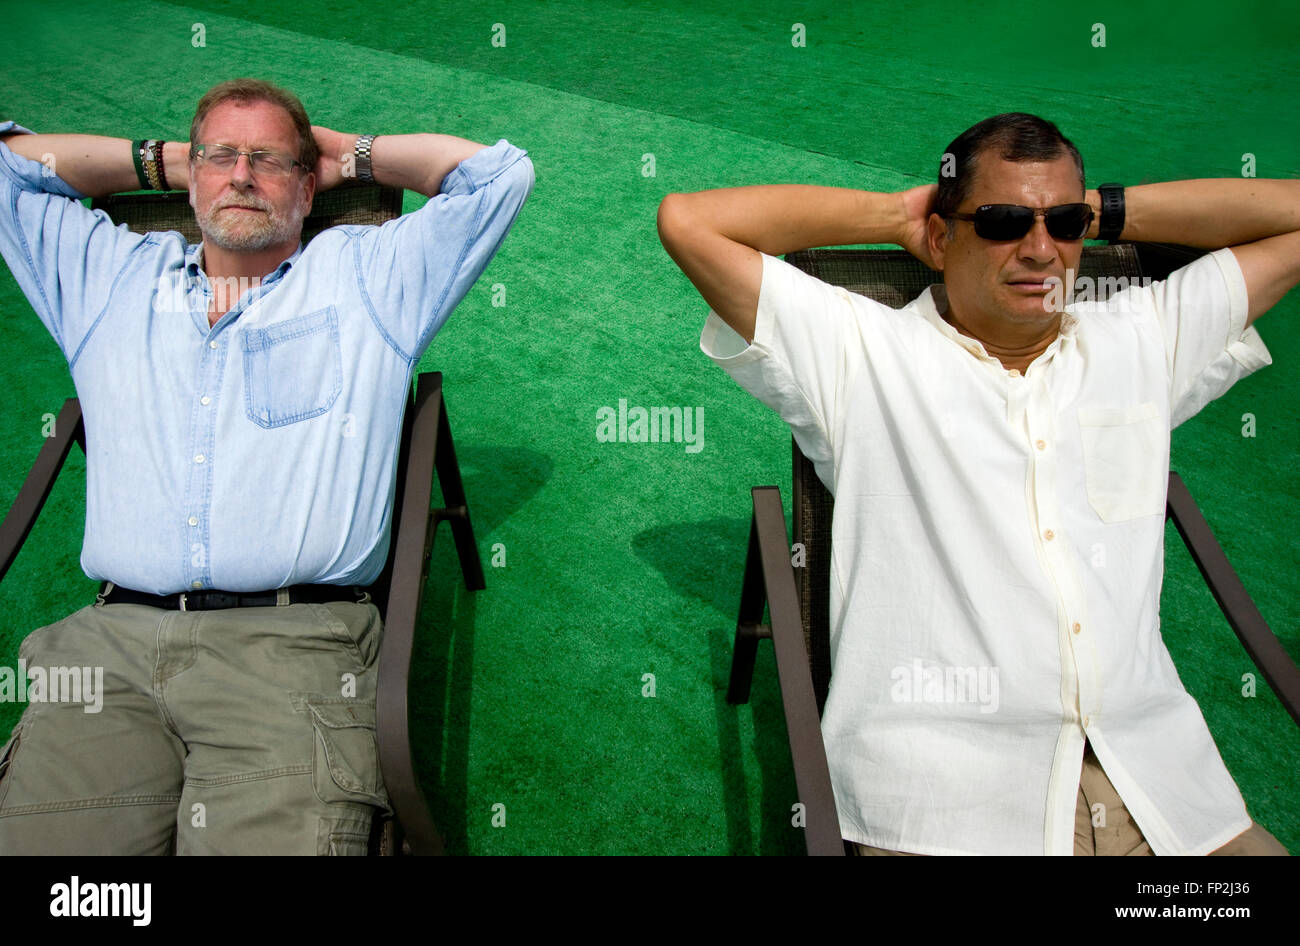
[415, 269]
[806, 333]
[1202, 310]
[61, 254]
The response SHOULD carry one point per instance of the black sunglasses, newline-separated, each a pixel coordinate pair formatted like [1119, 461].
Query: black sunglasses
[1011, 221]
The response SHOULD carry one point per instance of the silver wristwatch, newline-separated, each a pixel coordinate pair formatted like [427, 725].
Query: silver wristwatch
[365, 173]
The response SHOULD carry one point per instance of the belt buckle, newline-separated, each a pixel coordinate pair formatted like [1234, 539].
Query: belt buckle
[182, 601]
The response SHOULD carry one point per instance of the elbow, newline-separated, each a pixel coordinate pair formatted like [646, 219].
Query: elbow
[672, 220]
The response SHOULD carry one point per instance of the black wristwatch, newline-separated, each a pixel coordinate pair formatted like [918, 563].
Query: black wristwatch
[1112, 211]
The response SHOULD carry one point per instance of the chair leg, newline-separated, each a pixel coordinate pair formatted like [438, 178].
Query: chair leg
[1234, 601]
[414, 827]
[456, 510]
[749, 629]
[18, 522]
[382, 833]
[769, 578]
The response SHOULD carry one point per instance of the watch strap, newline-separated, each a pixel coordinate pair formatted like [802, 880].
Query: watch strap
[137, 158]
[365, 170]
[1112, 211]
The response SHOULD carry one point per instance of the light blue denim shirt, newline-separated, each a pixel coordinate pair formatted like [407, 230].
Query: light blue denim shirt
[259, 452]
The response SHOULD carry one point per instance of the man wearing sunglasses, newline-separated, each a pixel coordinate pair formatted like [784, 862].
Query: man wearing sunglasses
[999, 466]
[242, 401]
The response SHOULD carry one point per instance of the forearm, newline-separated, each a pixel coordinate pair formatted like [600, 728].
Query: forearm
[418, 162]
[97, 165]
[779, 219]
[1209, 213]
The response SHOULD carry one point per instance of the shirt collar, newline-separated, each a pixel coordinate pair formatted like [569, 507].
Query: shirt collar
[934, 300]
[194, 263]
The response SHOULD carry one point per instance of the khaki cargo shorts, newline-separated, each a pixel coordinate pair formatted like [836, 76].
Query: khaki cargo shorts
[239, 731]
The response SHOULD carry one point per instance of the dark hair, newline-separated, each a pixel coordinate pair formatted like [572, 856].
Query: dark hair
[255, 90]
[1013, 136]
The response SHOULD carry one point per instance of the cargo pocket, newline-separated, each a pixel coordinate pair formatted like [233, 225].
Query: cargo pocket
[1126, 460]
[6, 760]
[345, 765]
[293, 370]
[343, 837]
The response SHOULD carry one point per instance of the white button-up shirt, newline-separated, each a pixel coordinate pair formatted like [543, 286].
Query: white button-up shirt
[998, 550]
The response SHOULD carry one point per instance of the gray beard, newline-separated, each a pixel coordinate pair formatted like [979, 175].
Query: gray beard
[251, 236]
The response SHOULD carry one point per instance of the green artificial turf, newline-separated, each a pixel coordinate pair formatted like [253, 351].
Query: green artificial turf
[624, 559]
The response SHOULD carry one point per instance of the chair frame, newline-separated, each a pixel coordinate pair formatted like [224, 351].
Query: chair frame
[426, 449]
[798, 598]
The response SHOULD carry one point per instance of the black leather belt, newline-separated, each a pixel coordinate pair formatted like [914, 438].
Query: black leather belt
[215, 600]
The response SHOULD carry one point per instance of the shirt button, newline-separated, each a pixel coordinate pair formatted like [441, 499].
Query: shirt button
[1042, 444]
[196, 584]
[205, 400]
[1077, 627]
[1014, 372]
[212, 344]
[199, 458]
[194, 522]
[1049, 535]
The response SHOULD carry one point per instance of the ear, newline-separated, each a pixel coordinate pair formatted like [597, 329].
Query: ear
[193, 196]
[309, 188]
[936, 234]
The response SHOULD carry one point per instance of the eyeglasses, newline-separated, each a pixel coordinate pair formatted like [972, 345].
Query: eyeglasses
[224, 157]
[1011, 221]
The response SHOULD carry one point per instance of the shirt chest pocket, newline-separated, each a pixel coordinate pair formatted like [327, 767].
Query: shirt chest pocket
[1126, 460]
[293, 370]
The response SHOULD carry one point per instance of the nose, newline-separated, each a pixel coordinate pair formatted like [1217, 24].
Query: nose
[241, 175]
[1038, 245]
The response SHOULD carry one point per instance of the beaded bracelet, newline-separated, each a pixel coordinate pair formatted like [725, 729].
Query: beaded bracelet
[149, 170]
[162, 171]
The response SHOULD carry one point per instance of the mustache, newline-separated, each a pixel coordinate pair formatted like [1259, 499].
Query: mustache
[251, 204]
